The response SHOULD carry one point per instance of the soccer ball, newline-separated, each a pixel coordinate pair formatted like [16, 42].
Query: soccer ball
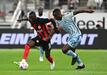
[23, 65]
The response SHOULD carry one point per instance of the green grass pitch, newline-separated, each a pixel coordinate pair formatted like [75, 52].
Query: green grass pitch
[95, 61]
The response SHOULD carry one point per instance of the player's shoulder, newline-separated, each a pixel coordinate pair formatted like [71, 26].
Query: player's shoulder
[68, 14]
[42, 19]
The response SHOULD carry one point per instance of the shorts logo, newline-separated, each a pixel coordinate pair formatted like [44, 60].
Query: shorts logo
[37, 41]
[39, 27]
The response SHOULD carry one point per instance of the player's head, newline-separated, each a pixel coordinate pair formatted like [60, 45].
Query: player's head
[57, 14]
[40, 11]
[32, 16]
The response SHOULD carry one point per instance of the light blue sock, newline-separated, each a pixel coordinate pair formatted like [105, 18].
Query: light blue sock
[71, 53]
[41, 51]
[79, 61]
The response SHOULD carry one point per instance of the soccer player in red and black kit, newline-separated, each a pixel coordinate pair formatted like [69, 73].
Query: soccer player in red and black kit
[42, 39]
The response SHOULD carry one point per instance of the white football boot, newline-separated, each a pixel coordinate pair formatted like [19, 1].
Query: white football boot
[52, 66]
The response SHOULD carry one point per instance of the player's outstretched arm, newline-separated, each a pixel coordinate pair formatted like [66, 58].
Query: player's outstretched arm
[20, 20]
[85, 10]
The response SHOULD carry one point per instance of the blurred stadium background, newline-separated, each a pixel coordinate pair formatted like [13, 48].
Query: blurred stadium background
[92, 47]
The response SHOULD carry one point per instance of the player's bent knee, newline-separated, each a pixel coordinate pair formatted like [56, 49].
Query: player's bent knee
[27, 45]
[47, 56]
[64, 50]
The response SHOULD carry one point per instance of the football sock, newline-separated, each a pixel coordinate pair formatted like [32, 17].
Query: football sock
[79, 61]
[50, 59]
[71, 53]
[41, 51]
[26, 51]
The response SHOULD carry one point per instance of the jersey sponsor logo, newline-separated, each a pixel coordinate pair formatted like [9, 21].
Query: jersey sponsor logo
[57, 39]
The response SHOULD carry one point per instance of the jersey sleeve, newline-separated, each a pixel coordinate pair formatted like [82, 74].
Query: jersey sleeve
[70, 14]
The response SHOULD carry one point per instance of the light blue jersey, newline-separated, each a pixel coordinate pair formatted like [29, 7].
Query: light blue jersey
[71, 28]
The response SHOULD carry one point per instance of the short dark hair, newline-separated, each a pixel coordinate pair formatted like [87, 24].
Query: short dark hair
[32, 13]
[40, 11]
[55, 11]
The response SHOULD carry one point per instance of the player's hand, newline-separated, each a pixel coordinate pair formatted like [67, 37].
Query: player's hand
[90, 10]
[19, 20]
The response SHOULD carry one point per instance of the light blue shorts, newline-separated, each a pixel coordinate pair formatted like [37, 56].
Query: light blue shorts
[74, 41]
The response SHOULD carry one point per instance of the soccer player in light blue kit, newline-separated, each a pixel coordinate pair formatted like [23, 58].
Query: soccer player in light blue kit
[68, 25]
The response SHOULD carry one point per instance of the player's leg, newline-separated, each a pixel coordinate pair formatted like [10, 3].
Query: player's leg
[69, 50]
[41, 53]
[75, 58]
[48, 56]
[27, 48]
[33, 42]
[25, 54]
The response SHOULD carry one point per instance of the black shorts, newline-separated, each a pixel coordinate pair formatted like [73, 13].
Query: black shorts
[44, 44]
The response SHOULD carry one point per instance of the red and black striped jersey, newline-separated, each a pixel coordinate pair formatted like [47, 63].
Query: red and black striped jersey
[40, 25]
